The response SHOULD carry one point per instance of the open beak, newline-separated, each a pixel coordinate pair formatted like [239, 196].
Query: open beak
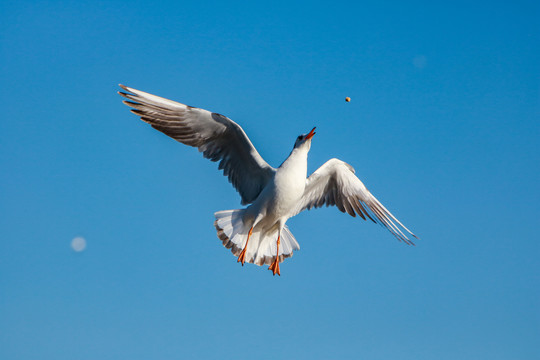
[310, 135]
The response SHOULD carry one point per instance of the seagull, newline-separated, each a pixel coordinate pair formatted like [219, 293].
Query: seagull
[258, 233]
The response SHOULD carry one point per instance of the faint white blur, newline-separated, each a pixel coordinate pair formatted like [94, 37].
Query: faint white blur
[78, 244]
[419, 61]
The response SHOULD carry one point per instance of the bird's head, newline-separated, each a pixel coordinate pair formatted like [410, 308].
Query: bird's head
[304, 140]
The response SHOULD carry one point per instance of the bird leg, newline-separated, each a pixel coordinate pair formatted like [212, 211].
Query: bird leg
[242, 256]
[275, 265]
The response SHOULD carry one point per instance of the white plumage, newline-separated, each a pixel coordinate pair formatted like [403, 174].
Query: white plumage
[258, 234]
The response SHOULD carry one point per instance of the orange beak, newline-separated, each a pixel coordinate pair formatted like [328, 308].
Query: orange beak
[310, 135]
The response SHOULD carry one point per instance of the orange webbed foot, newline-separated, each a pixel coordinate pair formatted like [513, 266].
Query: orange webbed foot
[275, 267]
[242, 257]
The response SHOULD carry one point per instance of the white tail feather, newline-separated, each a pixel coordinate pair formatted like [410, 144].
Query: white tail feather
[261, 247]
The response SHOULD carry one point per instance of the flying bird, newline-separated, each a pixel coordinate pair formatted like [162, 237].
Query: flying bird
[258, 233]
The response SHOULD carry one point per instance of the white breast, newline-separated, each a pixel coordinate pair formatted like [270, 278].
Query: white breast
[288, 184]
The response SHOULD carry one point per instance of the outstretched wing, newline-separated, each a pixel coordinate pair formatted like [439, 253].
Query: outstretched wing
[334, 183]
[216, 136]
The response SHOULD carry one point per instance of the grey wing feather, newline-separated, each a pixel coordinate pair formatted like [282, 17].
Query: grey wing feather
[219, 139]
[335, 183]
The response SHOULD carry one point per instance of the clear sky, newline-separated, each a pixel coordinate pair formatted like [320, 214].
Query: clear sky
[443, 127]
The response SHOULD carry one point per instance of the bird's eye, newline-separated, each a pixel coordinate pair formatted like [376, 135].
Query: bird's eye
[300, 137]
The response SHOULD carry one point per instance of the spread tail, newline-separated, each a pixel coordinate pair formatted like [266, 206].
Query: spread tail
[261, 247]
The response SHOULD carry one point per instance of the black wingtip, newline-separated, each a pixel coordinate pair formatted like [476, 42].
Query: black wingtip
[130, 103]
[123, 94]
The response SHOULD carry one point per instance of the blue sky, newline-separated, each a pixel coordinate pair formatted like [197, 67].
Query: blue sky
[443, 128]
